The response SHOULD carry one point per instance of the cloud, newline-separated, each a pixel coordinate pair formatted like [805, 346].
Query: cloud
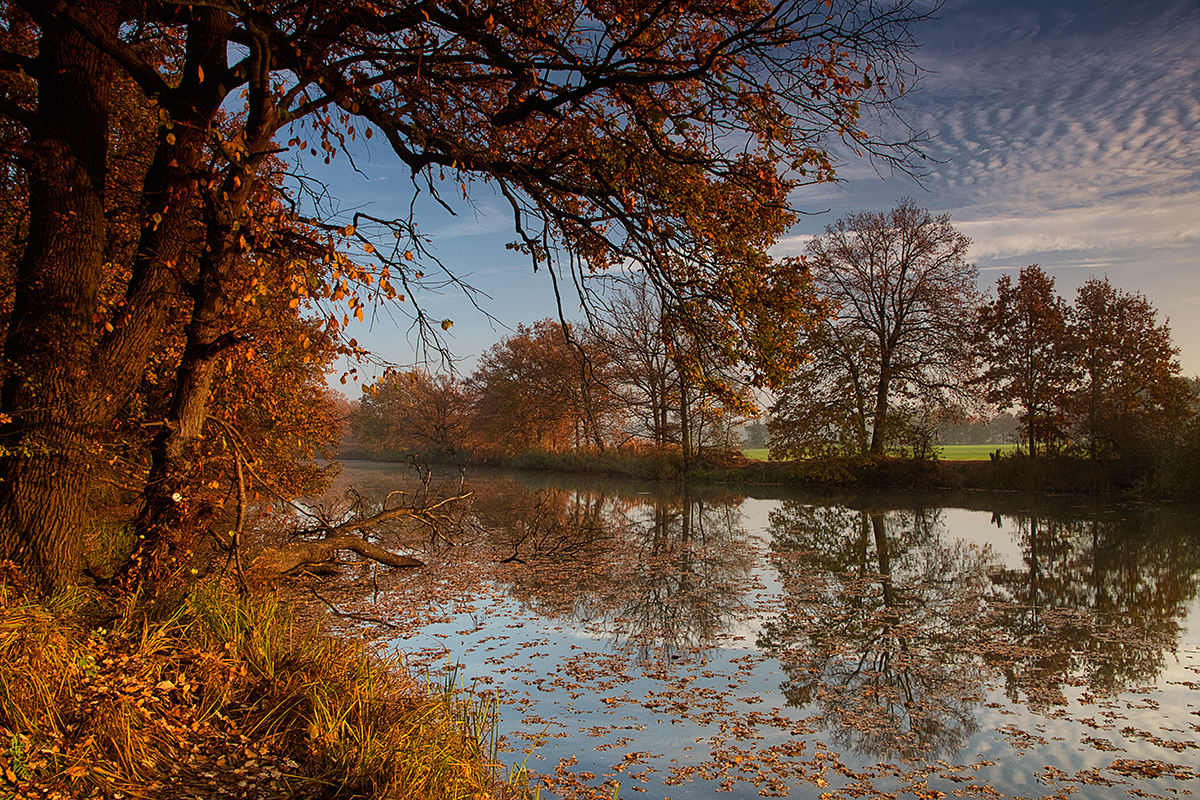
[791, 245]
[1146, 223]
[1054, 109]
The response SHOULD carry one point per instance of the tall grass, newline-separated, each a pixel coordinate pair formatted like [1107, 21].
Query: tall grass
[211, 688]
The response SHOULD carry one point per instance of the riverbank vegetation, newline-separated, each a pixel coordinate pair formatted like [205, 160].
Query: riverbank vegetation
[208, 693]
[904, 357]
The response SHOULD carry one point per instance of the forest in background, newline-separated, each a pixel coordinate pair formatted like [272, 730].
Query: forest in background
[904, 355]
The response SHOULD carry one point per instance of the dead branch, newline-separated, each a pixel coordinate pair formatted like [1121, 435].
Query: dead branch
[300, 554]
[350, 615]
[393, 513]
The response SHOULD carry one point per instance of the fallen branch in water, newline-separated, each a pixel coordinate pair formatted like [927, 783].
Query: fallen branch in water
[349, 614]
[293, 556]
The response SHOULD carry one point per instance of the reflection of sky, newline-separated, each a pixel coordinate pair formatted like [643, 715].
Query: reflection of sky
[568, 690]
[1066, 133]
[978, 529]
[569, 684]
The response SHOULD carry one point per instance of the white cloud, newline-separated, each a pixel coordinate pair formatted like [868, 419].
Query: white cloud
[791, 245]
[1115, 226]
[1039, 112]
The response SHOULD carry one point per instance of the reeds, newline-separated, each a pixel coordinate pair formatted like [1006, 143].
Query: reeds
[207, 690]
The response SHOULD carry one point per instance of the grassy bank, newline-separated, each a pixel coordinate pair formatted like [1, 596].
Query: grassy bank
[965, 467]
[1012, 472]
[210, 694]
[948, 452]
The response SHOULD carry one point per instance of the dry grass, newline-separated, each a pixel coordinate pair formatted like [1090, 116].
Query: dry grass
[209, 693]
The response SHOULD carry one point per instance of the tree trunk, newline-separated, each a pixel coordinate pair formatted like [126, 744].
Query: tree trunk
[879, 417]
[685, 433]
[302, 554]
[169, 522]
[46, 400]
[65, 376]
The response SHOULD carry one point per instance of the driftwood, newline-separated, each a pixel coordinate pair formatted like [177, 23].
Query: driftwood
[300, 554]
[281, 560]
[319, 552]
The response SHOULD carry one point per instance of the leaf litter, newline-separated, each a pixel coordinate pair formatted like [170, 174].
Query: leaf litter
[659, 660]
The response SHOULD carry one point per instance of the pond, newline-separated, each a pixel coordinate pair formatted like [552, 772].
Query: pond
[779, 642]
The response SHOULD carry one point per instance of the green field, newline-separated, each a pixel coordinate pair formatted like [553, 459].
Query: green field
[948, 452]
[972, 452]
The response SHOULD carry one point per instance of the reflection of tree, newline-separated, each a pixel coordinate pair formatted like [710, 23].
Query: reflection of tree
[680, 575]
[663, 575]
[550, 522]
[871, 628]
[893, 633]
[1098, 601]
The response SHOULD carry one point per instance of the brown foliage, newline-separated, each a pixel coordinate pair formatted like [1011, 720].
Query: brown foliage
[606, 132]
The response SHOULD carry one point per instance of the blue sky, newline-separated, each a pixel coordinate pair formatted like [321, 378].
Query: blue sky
[1066, 134]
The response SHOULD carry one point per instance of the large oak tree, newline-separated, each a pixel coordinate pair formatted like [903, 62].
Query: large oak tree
[668, 134]
[903, 298]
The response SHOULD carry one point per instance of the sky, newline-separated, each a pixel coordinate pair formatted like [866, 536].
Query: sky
[1064, 133]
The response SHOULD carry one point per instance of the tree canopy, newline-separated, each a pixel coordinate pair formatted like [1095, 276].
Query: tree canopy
[1023, 338]
[1101, 375]
[902, 299]
[1131, 395]
[143, 146]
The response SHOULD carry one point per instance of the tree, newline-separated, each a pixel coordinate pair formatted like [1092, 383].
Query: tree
[902, 297]
[669, 135]
[413, 411]
[535, 390]
[629, 331]
[1131, 392]
[1023, 339]
[679, 389]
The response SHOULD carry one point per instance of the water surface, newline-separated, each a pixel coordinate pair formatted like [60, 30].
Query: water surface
[802, 644]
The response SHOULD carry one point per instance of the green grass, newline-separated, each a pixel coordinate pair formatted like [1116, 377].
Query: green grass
[972, 452]
[947, 452]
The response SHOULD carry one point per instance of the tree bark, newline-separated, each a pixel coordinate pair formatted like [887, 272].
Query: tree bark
[168, 523]
[880, 413]
[47, 391]
[66, 372]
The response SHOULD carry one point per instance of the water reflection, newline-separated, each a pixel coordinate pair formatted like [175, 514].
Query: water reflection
[1098, 602]
[789, 639]
[871, 626]
[662, 575]
[895, 629]
[887, 621]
